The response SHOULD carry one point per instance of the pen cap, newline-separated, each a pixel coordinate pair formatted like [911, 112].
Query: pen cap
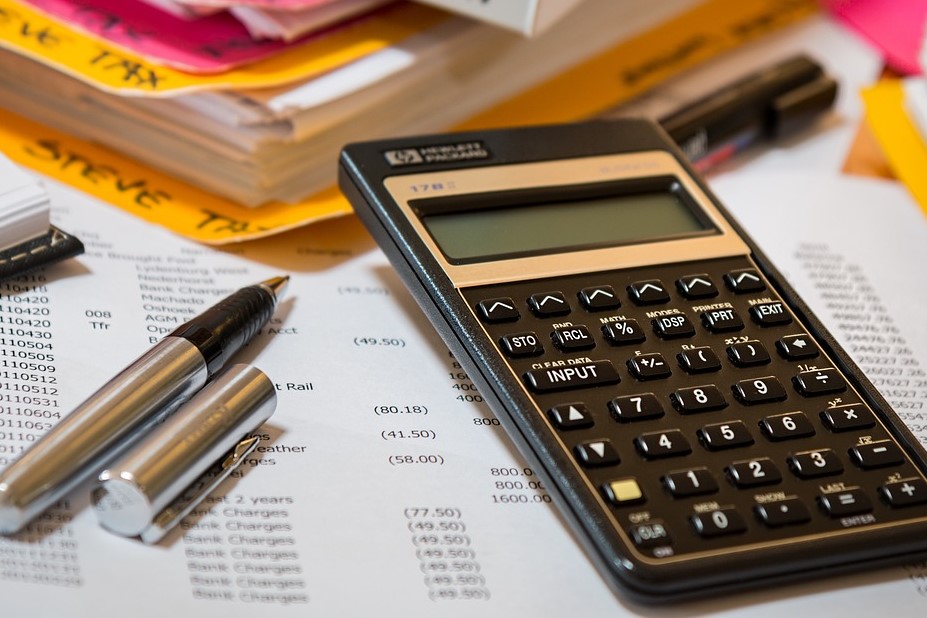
[136, 487]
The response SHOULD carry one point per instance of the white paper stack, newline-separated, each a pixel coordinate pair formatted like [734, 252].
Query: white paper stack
[529, 17]
[24, 206]
[281, 144]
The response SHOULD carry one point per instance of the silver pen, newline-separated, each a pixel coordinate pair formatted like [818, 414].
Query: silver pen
[148, 490]
[124, 409]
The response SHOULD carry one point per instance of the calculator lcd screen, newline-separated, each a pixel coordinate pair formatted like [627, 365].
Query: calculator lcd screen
[483, 234]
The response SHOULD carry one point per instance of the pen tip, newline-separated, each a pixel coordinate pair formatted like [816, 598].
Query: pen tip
[276, 286]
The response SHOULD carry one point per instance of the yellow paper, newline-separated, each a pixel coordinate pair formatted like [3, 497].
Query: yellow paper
[151, 195]
[632, 67]
[900, 140]
[114, 69]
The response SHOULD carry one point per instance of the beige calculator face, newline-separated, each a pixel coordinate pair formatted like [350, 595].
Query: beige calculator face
[529, 220]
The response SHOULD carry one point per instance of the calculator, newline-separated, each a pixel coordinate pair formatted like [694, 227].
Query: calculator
[694, 422]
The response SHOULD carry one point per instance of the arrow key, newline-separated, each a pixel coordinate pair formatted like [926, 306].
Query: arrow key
[797, 347]
[596, 453]
[548, 304]
[599, 298]
[697, 286]
[649, 292]
[743, 281]
[497, 310]
[571, 416]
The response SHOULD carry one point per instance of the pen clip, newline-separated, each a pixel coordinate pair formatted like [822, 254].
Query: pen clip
[197, 491]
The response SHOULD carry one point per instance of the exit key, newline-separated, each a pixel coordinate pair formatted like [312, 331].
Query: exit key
[770, 314]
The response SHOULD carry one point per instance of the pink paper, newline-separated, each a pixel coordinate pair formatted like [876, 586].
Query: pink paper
[277, 5]
[209, 44]
[896, 27]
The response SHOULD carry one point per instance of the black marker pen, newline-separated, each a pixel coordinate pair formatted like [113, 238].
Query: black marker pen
[762, 105]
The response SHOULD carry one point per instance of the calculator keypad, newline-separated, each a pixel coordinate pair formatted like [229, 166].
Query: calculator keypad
[698, 407]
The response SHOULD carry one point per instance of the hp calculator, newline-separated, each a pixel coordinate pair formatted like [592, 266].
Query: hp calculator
[695, 423]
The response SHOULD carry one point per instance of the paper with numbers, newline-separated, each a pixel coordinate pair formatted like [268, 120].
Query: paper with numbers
[385, 488]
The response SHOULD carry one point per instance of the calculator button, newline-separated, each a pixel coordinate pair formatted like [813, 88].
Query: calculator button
[572, 338]
[623, 491]
[722, 320]
[635, 407]
[718, 522]
[669, 443]
[649, 367]
[754, 472]
[744, 281]
[673, 326]
[797, 347]
[785, 512]
[596, 454]
[905, 493]
[623, 332]
[650, 534]
[599, 298]
[548, 304]
[649, 292]
[876, 454]
[696, 286]
[759, 390]
[724, 435]
[694, 482]
[698, 360]
[748, 354]
[846, 502]
[570, 416]
[770, 314]
[698, 399]
[819, 382]
[810, 464]
[847, 417]
[497, 310]
[517, 345]
[562, 378]
[787, 426]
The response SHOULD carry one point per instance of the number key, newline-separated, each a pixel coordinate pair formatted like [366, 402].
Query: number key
[698, 399]
[635, 407]
[718, 522]
[759, 390]
[811, 464]
[754, 472]
[667, 443]
[694, 482]
[724, 435]
[787, 426]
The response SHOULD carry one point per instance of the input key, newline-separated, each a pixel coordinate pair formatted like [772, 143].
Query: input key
[564, 377]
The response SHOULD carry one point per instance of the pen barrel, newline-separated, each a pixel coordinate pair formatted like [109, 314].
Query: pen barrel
[140, 484]
[222, 330]
[103, 426]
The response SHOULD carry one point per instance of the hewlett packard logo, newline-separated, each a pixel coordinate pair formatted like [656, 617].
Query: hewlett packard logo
[442, 153]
